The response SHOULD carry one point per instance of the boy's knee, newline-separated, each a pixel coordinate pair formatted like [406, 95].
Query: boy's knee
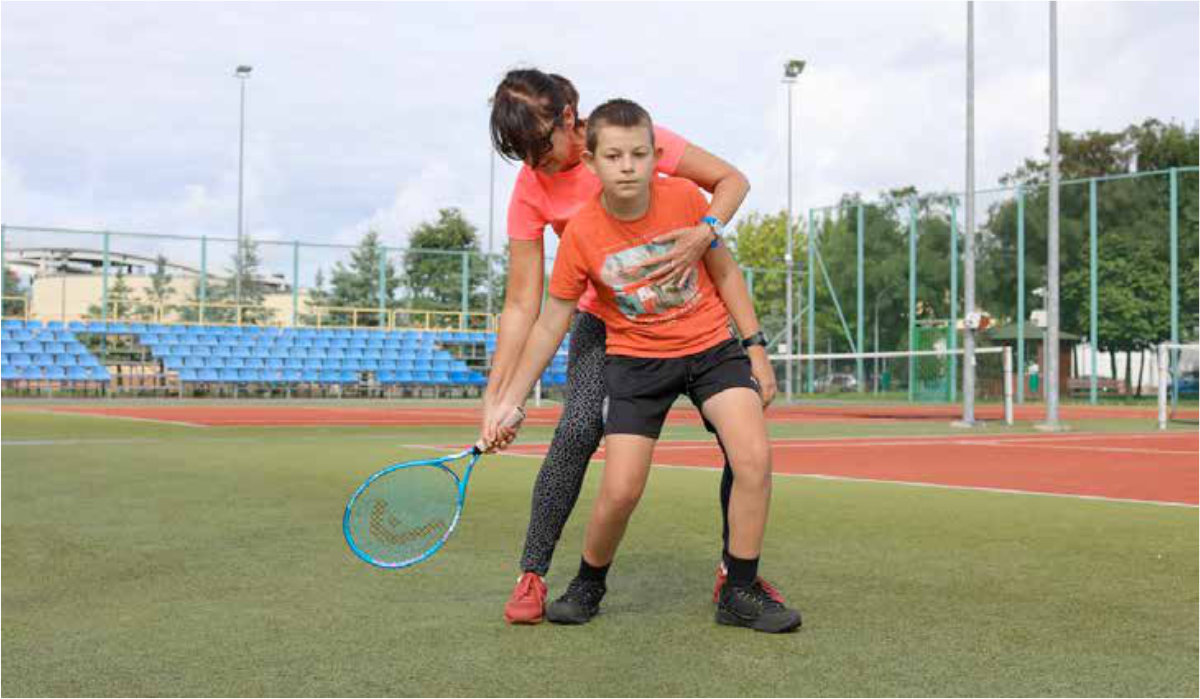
[752, 466]
[623, 500]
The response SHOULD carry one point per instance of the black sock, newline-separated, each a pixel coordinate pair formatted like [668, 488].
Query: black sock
[725, 558]
[742, 571]
[591, 573]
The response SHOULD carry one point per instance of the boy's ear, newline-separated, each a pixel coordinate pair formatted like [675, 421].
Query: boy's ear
[568, 118]
[589, 159]
[658, 153]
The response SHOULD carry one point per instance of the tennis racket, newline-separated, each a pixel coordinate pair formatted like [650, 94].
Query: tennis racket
[405, 513]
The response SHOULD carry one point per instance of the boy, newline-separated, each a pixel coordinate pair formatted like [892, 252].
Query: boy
[663, 340]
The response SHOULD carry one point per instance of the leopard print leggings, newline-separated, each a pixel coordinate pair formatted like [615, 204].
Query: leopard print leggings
[576, 439]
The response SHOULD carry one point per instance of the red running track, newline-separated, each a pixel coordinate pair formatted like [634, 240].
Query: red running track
[1147, 467]
[394, 414]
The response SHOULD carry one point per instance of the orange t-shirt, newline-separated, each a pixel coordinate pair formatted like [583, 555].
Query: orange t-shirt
[643, 320]
[540, 200]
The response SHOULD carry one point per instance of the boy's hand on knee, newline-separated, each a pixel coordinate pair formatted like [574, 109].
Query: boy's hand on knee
[763, 373]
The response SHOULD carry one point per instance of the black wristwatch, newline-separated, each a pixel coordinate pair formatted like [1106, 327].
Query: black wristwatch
[756, 339]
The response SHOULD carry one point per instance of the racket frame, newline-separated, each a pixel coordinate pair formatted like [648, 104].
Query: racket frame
[474, 452]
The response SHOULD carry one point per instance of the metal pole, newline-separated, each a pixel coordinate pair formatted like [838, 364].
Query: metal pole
[1021, 294]
[237, 289]
[491, 223]
[203, 277]
[912, 294]
[876, 309]
[788, 259]
[812, 300]
[861, 375]
[969, 309]
[1051, 420]
[104, 280]
[1093, 294]
[383, 295]
[295, 282]
[953, 384]
[1174, 238]
[466, 273]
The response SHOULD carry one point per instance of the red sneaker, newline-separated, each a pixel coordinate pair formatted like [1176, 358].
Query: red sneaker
[527, 601]
[766, 586]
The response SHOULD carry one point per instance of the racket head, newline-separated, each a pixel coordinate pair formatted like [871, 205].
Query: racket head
[404, 514]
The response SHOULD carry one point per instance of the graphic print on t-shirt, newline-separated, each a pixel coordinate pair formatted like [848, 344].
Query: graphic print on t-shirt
[637, 299]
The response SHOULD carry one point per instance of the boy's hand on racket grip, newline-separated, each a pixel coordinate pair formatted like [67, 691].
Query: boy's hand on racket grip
[501, 426]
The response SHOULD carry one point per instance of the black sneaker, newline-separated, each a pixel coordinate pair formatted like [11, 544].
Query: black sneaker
[754, 608]
[578, 604]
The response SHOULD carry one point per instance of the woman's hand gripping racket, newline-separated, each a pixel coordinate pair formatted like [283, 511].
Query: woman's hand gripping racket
[405, 513]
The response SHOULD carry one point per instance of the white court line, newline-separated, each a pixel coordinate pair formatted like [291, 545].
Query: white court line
[1121, 450]
[850, 479]
[69, 413]
[73, 442]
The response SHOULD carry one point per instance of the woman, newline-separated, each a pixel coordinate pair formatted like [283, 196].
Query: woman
[535, 121]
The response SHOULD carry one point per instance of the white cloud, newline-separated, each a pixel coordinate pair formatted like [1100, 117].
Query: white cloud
[375, 114]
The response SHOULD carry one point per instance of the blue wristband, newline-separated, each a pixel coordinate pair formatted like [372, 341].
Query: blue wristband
[717, 228]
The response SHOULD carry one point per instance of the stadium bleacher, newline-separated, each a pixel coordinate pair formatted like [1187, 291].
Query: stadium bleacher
[240, 355]
[31, 351]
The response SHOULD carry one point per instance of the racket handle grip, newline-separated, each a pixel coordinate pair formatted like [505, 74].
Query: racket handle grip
[513, 421]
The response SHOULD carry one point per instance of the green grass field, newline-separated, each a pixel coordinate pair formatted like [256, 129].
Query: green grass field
[147, 559]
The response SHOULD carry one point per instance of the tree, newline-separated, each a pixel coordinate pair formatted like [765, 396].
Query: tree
[155, 296]
[357, 285]
[434, 275]
[252, 289]
[120, 301]
[12, 290]
[318, 297]
[1133, 220]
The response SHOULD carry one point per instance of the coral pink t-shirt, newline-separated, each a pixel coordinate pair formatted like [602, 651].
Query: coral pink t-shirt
[552, 200]
[644, 319]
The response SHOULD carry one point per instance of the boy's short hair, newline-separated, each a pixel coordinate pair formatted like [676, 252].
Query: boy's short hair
[617, 112]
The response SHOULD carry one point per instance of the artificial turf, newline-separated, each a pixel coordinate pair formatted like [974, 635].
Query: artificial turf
[145, 559]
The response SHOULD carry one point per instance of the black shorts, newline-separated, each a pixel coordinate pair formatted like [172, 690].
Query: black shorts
[641, 390]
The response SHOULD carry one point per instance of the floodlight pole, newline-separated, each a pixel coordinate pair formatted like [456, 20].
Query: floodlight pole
[791, 70]
[242, 74]
[970, 312]
[1051, 346]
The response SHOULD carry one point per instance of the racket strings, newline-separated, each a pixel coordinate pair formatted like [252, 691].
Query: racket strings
[404, 514]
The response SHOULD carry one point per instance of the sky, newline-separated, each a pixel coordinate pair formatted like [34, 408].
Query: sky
[125, 116]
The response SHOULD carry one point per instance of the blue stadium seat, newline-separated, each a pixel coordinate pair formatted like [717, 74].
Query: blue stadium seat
[209, 375]
[65, 359]
[56, 373]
